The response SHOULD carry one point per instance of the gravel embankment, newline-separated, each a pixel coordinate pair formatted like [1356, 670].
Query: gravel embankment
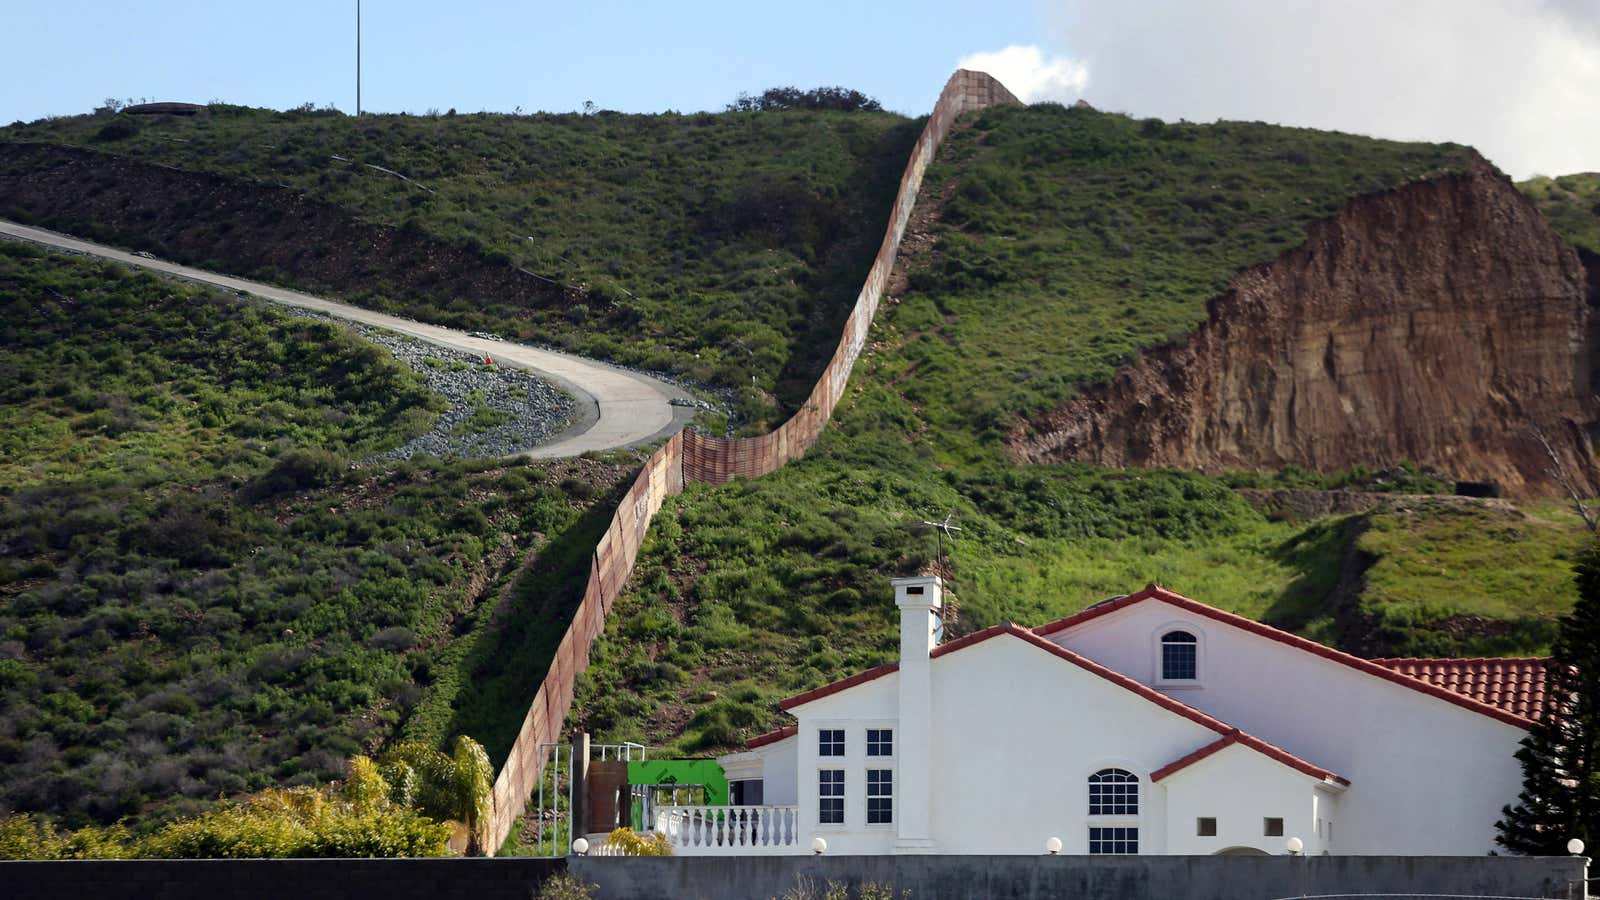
[536, 411]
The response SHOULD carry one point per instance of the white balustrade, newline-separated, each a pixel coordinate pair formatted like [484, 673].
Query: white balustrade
[730, 830]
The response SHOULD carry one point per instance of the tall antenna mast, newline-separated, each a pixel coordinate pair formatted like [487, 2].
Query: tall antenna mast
[942, 530]
[358, 58]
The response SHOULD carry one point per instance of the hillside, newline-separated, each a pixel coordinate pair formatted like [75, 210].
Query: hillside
[1572, 204]
[722, 247]
[330, 609]
[198, 596]
[1056, 244]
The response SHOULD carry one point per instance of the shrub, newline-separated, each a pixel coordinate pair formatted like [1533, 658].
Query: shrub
[299, 469]
[565, 886]
[628, 842]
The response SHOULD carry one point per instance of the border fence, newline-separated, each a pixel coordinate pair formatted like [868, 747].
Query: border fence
[692, 456]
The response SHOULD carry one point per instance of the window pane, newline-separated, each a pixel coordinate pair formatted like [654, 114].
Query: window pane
[880, 796]
[880, 742]
[1113, 792]
[1178, 658]
[1113, 840]
[830, 796]
[1272, 827]
[830, 742]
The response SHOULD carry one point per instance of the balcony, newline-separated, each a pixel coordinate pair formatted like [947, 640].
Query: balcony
[731, 830]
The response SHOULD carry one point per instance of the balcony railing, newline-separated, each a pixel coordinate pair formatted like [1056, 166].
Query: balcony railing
[730, 830]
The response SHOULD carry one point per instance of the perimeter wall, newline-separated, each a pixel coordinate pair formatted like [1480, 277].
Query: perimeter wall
[762, 877]
[692, 456]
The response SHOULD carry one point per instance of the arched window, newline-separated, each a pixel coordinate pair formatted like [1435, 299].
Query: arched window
[1178, 656]
[1113, 792]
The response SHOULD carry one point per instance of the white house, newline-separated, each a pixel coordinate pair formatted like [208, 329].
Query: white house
[1146, 724]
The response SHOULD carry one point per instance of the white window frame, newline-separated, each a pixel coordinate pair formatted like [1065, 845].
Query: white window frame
[844, 743]
[1157, 674]
[866, 743]
[843, 796]
[1106, 820]
[867, 798]
[1138, 838]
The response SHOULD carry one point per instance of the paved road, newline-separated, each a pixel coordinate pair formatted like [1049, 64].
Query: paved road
[617, 408]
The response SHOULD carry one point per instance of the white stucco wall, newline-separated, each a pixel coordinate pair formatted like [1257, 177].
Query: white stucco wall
[773, 764]
[1209, 789]
[778, 772]
[1427, 776]
[1016, 734]
[870, 705]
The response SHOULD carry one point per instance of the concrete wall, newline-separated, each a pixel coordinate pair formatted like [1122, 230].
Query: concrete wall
[693, 456]
[1084, 878]
[1426, 776]
[926, 877]
[277, 879]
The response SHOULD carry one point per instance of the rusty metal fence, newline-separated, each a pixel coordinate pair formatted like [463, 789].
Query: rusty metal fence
[692, 456]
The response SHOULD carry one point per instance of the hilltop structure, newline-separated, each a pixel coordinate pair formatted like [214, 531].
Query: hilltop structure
[1150, 723]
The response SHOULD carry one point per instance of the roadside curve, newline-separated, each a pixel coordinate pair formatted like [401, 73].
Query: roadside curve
[617, 408]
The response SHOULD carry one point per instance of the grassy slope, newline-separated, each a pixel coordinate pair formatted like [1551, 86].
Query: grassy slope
[1572, 204]
[724, 246]
[196, 596]
[1068, 240]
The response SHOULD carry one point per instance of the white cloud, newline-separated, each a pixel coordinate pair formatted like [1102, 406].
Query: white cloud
[1518, 79]
[1030, 74]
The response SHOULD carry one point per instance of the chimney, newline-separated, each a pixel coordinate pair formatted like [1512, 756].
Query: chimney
[920, 601]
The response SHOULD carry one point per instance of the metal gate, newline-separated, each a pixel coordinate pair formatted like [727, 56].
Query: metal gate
[563, 787]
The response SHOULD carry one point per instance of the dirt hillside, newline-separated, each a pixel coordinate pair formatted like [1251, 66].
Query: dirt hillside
[1434, 323]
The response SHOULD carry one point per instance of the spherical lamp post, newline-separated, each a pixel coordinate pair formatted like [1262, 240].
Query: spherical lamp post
[1575, 847]
[581, 846]
[1052, 846]
[819, 846]
[1294, 845]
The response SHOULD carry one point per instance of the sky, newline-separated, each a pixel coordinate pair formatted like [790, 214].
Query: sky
[1518, 79]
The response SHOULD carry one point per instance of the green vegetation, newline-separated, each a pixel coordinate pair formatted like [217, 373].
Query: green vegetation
[1470, 579]
[484, 417]
[1560, 756]
[198, 595]
[1572, 204]
[400, 807]
[1068, 241]
[721, 246]
[107, 376]
[258, 612]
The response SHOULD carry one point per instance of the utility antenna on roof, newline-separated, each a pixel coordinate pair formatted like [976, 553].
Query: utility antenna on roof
[942, 530]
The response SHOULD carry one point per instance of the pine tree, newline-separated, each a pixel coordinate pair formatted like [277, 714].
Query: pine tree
[1560, 756]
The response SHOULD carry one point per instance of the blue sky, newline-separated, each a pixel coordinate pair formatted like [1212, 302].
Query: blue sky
[1519, 79]
[488, 54]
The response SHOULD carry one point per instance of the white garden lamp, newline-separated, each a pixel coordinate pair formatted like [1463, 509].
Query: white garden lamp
[1052, 846]
[819, 846]
[1575, 847]
[581, 846]
[1294, 845]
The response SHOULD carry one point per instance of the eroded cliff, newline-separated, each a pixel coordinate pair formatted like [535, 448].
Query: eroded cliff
[1439, 323]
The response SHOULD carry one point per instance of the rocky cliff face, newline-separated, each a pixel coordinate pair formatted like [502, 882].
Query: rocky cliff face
[1435, 323]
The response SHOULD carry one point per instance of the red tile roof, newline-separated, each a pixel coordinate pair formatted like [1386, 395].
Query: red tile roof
[1229, 733]
[772, 737]
[1426, 686]
[1513, 684]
